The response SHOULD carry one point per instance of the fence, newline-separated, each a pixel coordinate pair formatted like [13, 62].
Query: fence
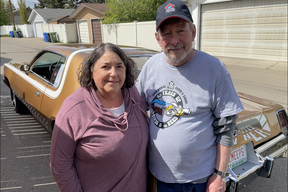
[140, 34]
[66, 33]
[27, 30]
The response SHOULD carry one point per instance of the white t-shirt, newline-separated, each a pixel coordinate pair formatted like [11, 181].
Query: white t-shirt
[117, 111]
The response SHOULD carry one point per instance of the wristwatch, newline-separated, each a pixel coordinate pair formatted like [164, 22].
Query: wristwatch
[220, 173]
[222, 178]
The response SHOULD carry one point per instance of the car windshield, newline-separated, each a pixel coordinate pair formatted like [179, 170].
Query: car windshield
[140, 61]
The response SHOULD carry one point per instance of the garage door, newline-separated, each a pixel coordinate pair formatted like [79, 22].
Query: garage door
[96, 30]
[245, 29]
[38, 29]
[83, 32]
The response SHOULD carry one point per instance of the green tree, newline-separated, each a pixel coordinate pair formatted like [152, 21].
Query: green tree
[90, 1]
[68, 4]
[23, 11]
[73, 4]
[4, 13]
[123, 11]
[50, 4]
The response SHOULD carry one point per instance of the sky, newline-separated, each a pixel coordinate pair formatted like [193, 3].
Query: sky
[29, 3]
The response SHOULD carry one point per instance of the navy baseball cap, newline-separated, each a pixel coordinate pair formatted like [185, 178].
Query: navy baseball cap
[172, 9]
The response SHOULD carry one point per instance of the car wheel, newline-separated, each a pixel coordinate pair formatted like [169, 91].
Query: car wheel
[19, 107]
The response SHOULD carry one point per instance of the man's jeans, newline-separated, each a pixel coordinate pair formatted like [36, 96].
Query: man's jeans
[181, 187]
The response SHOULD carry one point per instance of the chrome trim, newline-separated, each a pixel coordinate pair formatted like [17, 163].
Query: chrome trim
[279, 152]
[269, 159]
[270, 144]
[37, 94]
[259, 170]
[40, 77]
[133, 56]
[286, 117]
[248, 172]
[260, 166]
[253, 163]
[281, 110]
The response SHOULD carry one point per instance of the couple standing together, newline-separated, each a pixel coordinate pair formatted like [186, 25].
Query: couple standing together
[103, 138]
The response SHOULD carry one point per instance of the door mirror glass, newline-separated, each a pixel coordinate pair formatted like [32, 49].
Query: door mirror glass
[24, 67]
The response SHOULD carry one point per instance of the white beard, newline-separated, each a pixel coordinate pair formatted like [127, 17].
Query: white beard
[175, 61]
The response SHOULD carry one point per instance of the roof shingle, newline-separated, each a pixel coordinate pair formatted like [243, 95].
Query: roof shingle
[49, 14]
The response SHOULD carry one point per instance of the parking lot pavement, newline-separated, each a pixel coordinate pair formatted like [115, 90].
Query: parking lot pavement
[31, 43]
[255, 63]
[20, 49]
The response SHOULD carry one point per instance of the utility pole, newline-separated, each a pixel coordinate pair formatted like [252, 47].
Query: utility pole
[12, 17]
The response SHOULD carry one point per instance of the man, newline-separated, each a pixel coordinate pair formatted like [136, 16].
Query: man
[193, 108]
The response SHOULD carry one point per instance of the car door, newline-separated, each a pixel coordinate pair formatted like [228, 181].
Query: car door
[39, 75]
[53, 98]
[18, 83]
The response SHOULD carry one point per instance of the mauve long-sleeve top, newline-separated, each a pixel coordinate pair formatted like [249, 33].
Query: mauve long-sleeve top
[92, 151]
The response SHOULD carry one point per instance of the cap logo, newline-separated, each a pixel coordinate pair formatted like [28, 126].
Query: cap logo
[170, 8]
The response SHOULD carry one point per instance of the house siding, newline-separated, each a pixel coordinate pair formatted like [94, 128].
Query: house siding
[88, 14]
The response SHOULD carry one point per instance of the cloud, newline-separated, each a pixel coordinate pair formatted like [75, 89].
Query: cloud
[29, 3]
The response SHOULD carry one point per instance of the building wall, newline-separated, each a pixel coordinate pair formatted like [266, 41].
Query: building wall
[38, 18]
[88, 14]
[66, 33]
[243, 29]
[140, 34]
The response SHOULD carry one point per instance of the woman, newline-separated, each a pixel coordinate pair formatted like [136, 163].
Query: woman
[100, 135]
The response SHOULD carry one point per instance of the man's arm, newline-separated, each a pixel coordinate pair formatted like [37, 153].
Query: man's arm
[223, 157]
[215, 183]
[224, 129]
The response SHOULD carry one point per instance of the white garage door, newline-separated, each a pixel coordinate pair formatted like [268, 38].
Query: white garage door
[38, 29]
[245, 29]
[83, 32]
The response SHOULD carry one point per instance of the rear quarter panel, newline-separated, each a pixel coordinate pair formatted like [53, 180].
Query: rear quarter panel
[258, 122]
[256, 129]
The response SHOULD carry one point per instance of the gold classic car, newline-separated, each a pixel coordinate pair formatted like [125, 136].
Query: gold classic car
[42, 85]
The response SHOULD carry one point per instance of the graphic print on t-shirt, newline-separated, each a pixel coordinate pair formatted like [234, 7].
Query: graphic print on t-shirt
[167, 105]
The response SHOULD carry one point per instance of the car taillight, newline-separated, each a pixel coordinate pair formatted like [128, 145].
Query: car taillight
[282, 117]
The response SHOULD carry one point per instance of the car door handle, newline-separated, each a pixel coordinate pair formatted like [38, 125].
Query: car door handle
[37, 94]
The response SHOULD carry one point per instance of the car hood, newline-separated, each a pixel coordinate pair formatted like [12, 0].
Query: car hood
[17, 65]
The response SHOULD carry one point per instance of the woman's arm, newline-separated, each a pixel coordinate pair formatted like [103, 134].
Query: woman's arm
[62, 152]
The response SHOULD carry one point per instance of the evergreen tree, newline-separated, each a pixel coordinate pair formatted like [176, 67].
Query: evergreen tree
[90, 1]
[4, 13]
[68, 4]
[23, 11]
[50, 4]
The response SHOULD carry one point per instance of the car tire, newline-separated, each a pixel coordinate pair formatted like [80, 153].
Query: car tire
[19, 107]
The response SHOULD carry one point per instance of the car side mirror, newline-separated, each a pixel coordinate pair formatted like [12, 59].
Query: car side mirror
[24, 67]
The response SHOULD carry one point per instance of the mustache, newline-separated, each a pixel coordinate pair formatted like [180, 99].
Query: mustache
[178, 46]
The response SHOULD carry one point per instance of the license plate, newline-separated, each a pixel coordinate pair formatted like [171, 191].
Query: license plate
[238, 156]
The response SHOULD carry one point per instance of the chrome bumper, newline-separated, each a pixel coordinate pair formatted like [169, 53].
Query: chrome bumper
[259, 163]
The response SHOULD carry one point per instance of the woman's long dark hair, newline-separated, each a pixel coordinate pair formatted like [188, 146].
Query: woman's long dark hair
[86, 68]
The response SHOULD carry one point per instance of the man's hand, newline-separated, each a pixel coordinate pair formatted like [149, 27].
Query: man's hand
[215, 184]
